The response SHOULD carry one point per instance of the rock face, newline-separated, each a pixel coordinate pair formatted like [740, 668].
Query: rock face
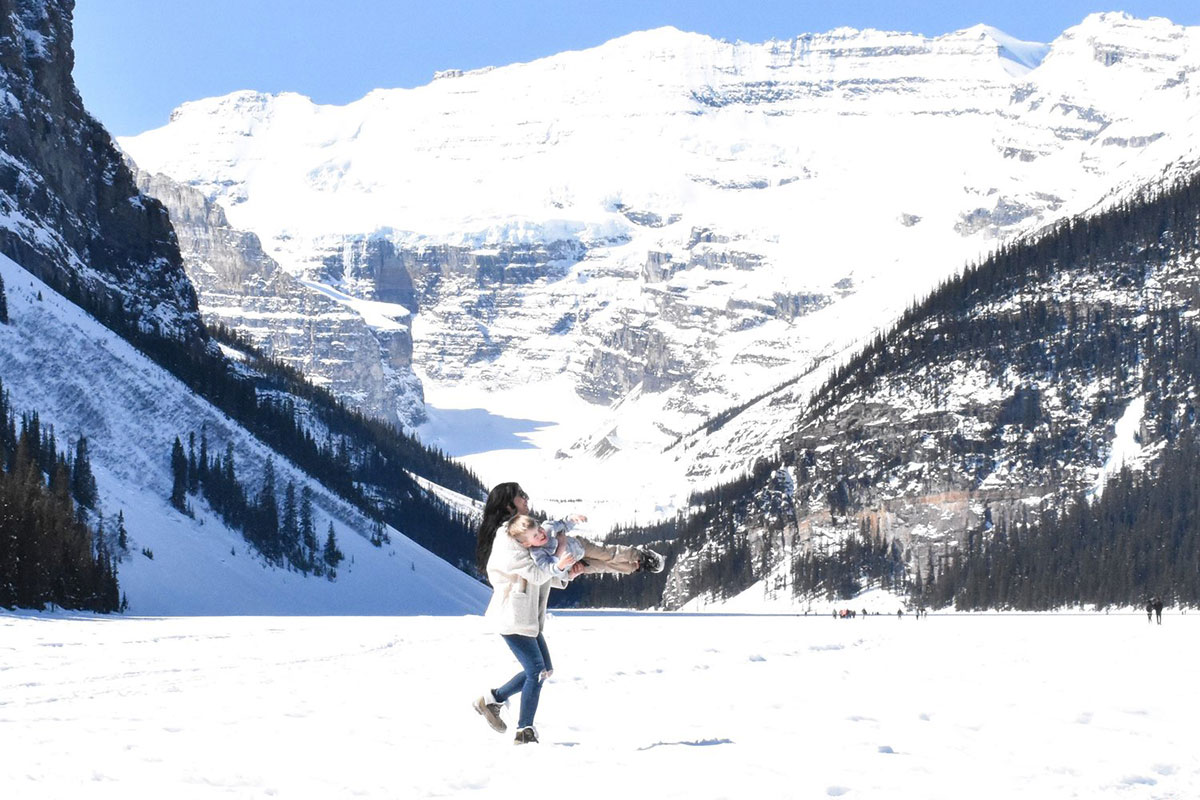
[1008, 396]
[696, 221]
[241, 287]
[69, 210]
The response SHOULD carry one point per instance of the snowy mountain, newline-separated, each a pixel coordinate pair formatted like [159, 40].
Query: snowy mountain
[85, 380]
[993, 415]
[103, 340]
[659, 229]
[330, 340]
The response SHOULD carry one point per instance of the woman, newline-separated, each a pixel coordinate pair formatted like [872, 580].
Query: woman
[520, 590]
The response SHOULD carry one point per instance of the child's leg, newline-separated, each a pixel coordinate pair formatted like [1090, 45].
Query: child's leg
[617, 558]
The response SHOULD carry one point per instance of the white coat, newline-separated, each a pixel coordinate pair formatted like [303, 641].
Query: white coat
[520, 588]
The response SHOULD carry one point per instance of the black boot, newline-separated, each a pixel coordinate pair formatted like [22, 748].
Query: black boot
[526, 736]
[651, 561]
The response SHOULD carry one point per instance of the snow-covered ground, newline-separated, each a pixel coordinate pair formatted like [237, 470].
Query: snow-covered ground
[655, 705]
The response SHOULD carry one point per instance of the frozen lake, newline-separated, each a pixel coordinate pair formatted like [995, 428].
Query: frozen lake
[678, 706]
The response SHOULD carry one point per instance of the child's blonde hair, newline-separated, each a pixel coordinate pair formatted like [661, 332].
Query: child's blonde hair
[521, 525]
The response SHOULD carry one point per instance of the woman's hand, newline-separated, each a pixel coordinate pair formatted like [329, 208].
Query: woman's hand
[566, 561]
[576, 569]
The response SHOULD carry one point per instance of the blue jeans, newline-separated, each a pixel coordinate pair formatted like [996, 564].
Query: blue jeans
[534, 656]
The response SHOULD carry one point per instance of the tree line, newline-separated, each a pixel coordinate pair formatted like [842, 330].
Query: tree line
[282, 531]
[1140, 539]
[367, 462]
[49, 556]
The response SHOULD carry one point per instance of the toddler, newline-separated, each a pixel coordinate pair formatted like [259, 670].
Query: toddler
[551, 548]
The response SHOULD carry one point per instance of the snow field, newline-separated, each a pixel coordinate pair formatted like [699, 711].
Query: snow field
[696, 706]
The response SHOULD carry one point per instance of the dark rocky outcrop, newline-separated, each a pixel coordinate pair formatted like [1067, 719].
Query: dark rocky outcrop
[69, 210]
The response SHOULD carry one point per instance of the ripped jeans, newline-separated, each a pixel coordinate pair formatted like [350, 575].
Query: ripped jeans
[534, 656]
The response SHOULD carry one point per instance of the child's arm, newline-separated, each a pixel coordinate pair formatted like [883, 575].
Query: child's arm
[563, 525]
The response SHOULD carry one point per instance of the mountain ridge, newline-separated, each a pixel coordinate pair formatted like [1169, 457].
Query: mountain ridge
[654, 251]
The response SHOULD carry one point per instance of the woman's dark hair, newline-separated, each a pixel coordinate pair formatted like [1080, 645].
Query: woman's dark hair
[498, 508]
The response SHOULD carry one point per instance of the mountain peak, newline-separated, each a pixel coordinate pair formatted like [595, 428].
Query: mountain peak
[244, 103]
[1119, 23]
[1026, 54]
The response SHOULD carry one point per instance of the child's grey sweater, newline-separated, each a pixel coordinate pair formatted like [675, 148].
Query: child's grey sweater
[544, 556]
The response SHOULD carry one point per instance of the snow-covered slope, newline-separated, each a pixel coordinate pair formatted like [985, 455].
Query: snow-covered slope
[610, 246]
[84, 380]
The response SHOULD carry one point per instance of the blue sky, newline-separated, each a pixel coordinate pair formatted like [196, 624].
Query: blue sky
[138, 59]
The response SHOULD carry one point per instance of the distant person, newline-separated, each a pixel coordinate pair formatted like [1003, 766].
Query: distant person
[548, 542]
[1158, 606]
[1150, 610]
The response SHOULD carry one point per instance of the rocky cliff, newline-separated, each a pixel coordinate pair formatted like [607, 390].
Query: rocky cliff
[320, 334]
[69, 209]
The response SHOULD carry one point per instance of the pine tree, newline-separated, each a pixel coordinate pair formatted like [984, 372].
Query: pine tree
[83, 482]
[308, 532]
[290, 527]
[122, 534]
[193, 467]
[203, 475]
[179, 480]
[267, 514]
[332, 555]
[3, 303]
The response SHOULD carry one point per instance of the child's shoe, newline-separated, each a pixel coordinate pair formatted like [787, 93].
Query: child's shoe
[651, 561]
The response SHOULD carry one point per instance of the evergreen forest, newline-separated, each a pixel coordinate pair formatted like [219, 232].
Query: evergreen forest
[283, 529]
[1071, 324]
[49, 554]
